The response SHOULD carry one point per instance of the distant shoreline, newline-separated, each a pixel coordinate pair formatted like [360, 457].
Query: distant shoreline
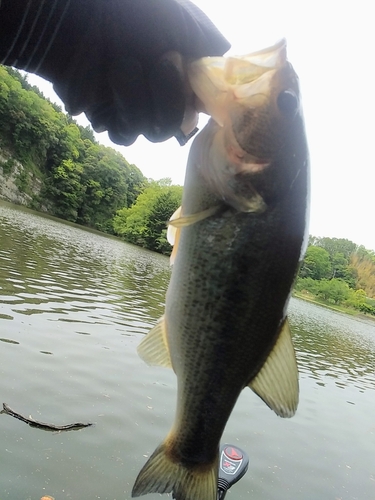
[341, 309]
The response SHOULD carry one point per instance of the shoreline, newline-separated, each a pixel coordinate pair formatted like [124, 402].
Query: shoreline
[341, 309]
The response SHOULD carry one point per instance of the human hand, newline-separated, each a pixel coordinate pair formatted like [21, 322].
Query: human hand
[118, 61]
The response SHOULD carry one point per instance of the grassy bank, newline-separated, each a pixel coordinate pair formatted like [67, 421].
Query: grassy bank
[346, 310]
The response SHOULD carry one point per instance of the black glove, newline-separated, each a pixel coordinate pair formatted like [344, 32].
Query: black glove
[105, 57]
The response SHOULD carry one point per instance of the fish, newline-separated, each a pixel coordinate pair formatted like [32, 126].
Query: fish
[239, 238]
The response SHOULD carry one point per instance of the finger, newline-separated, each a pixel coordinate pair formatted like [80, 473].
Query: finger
[167, 90]
[131, 103]
[202, 37]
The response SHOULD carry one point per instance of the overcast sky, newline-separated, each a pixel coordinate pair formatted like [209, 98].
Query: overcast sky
[331, 46]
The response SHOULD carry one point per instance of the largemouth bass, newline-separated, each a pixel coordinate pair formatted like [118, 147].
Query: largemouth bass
[239, 239]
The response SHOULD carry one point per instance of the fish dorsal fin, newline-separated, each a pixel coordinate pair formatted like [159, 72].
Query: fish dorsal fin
[188, 220]
[154, 348]
[173, 235]
[277, 381]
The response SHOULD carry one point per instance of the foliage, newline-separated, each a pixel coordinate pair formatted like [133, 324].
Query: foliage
[109, 183]
[363, 262]
[339, 272]
[342, 269]
[338, 252]
[337, 246]
[356, 298]
[367, 308]
[317, 264]
[83, 181]
[306, 285]
[7, 166]
[66, 190]
[22, 180]
[334, 290]
[145, 222]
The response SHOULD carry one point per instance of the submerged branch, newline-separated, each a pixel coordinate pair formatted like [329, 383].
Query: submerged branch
[43, 425]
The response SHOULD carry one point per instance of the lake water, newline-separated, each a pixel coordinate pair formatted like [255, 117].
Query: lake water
[74, 304]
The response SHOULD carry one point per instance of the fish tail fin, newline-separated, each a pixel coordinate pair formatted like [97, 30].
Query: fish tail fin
[161, 474]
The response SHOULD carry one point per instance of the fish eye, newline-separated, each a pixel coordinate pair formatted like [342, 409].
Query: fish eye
[287, 102]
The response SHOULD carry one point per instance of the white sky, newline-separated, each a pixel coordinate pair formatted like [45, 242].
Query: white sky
[331, 46]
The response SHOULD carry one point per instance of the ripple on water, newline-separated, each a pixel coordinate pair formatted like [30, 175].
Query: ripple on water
[76, 304]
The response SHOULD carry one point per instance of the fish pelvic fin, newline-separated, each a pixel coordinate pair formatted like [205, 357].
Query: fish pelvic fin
[161, 474]
[154, 349]
[277, 381]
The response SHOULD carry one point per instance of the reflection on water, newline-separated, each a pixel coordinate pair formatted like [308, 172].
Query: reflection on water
[74, 305]
[76, 276]
[340, 348]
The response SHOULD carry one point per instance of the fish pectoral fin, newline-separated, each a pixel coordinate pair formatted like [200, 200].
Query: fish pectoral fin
[277, 381]
[172, 257]
[173, 235]
[172, 230]
[154, 349]
[188, 220]
[162, 474]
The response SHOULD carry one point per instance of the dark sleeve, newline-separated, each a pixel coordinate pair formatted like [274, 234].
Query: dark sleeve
[102, 56]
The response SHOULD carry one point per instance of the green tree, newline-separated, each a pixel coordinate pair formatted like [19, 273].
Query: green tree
[82, 181]
[145, 222]
[363, 261]
[340, 251]
[342, 269]
[307, 285]
[316, 264]
[66, 189]
[356, 298]
[334, 290]
[337, 246]
[165, 205]
[109, 183]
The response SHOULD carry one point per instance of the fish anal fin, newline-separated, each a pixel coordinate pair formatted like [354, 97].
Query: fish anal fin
[161, 474]
[154, 349]
[277, 381]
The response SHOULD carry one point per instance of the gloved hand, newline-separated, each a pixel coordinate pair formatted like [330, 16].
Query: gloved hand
[111, 58]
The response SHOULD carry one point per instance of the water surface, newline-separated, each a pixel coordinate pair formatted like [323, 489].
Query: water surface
[74, 304]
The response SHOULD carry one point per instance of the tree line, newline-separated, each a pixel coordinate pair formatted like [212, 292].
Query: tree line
[82, 181]
[339, 272]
